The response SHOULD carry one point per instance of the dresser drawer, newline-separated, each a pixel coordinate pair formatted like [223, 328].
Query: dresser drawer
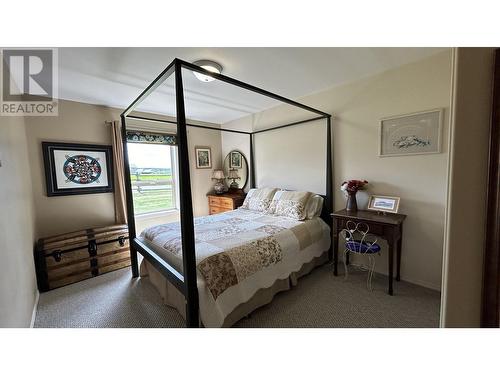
[226, 203]
[217, 210]
[214, 201]
[221, 202]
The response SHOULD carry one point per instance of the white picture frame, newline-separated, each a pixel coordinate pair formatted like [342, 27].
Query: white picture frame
[415, 133]
[383, 203]
[203, 157]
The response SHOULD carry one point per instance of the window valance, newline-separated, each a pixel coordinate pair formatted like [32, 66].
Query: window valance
[148, 137]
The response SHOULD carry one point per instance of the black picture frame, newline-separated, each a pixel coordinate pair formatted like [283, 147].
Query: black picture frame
[48, 149]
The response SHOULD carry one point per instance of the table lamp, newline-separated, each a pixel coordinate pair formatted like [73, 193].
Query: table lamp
[219, 186]
[233, 175]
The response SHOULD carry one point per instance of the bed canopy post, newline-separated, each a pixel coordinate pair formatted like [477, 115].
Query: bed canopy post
[252, 168]
[187, 283]
[329, 184]
[130, 201]
[186, 206]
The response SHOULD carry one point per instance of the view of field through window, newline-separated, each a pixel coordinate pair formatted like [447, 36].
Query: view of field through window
[151, 176]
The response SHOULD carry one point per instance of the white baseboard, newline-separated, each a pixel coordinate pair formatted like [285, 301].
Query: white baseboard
[425, 284]
[35, 307]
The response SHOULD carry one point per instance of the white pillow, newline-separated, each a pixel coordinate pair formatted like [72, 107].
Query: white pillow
[258, 199]
[314, 206]
[290, 204]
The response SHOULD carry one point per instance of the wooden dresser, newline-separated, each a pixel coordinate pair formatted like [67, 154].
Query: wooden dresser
[218, 203]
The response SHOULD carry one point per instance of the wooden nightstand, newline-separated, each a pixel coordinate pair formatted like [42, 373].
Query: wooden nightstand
[389, 227]
[218, 203]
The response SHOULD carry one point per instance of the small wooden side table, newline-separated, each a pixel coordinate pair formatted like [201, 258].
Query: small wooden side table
[387, 226]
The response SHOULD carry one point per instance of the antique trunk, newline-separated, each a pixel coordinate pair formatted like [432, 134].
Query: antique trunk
[71, 257]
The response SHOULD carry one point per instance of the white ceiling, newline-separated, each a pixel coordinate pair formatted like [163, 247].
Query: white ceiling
[116, 76]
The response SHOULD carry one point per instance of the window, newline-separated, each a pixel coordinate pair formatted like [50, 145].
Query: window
[153, 177]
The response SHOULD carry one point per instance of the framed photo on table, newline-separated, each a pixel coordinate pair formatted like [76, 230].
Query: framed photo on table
[383, 203]
[73, 168]
[203, 157]
[411, 134]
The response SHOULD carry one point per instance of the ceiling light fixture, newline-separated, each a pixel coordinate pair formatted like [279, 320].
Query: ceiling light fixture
[209, 65]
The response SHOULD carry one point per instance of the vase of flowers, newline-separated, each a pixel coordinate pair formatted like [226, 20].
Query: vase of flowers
[350, 188]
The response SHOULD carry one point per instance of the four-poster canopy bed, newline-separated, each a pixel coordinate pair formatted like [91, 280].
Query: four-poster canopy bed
[186, 282]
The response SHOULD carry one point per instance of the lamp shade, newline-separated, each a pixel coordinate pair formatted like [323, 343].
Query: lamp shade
[218, 174]
[233, 174]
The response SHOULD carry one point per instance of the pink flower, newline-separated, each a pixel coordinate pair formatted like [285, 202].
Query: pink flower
[352, 186]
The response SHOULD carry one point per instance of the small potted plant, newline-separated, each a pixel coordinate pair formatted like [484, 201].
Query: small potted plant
[350, 188]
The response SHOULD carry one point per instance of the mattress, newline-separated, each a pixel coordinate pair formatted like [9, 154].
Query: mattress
[240, 252]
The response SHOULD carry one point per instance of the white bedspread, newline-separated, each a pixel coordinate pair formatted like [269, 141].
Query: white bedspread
[239, 252]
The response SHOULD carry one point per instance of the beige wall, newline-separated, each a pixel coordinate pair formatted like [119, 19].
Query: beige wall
[420, 180]
[17, 274]
[463, 265]
[293, 159]
[78, 123]
[201, 179]
[84, 123]
[239, 142]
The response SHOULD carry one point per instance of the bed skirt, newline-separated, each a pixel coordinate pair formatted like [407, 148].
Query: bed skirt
[172, 297]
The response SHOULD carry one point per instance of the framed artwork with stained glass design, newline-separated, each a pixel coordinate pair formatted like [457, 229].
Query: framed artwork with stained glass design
[72, 168]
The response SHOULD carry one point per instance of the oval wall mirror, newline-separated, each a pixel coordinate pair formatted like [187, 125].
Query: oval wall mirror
[235, 170]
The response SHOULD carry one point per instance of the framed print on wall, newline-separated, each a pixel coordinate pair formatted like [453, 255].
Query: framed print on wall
[72, 168]
[412, 134]
[235, 160]
[383, 203]
[203, 157]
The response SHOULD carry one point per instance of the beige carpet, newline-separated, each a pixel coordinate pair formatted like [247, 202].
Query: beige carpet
[319, 300]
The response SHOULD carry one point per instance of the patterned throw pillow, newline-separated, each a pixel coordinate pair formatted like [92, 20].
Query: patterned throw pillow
[291, 204]
[258, 199]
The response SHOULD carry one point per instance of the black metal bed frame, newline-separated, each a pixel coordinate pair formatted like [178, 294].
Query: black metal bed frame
[186, 283]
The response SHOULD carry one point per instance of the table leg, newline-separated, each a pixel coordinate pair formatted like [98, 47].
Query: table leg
[398, 255]
[391, 264]
[335, 253]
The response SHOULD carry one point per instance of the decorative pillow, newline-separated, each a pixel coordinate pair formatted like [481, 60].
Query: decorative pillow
[291, 204]
[314, 206]
[258, 199]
